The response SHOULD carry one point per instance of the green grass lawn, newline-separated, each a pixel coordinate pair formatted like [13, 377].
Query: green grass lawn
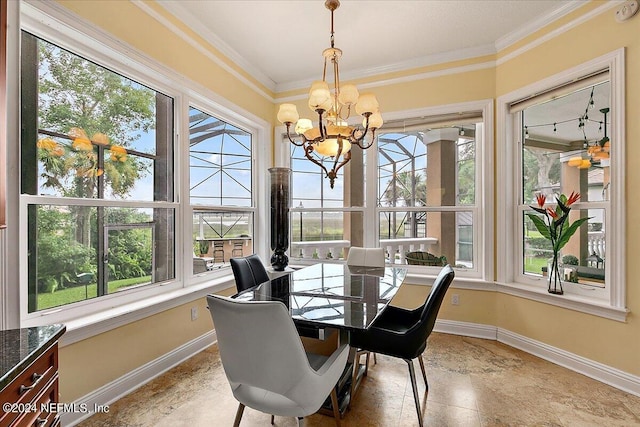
[81, 293]
[534, 265]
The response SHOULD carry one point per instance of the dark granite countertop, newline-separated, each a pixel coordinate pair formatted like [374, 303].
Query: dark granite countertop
[20, 347]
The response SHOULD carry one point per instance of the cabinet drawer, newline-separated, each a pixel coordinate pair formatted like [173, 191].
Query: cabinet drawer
[45, 400]
[27, 385]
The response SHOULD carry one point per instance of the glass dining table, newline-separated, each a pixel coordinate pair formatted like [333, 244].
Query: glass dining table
[328, 296]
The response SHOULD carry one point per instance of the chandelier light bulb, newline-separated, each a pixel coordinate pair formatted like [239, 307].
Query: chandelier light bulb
[288, 113]
[318, 84]
[575, 161]
[585, 164]
[367, 103]
[375, 120]
[303, 125]
[348, 95]
[320, 99]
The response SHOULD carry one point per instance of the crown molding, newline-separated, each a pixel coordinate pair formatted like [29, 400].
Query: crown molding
[206, 52]
[558, 31]
[405, 79]
[424, 61]
[219, 44]
[537, 24]
[180, 12]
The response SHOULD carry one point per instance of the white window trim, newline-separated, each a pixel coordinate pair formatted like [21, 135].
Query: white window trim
[88, 318]
[483, 211]
[260, 154]
[613, 306]
[482, 273]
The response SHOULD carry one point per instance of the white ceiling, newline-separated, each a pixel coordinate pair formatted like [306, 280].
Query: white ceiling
[281, 42]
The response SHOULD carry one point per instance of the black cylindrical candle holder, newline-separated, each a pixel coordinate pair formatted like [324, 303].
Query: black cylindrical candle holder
[280, 185]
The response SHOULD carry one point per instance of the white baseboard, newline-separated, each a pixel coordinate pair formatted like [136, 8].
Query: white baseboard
[466, 329]
[596, 370]
[129, 382]
[126, 384]
[592, 369]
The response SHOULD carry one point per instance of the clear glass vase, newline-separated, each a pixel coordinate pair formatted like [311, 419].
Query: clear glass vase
[555, 279]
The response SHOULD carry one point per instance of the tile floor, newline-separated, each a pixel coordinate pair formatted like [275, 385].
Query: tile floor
[472, 382]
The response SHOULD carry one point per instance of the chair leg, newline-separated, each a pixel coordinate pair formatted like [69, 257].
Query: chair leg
[424, 374]
[375, 359]
[414, 385]
[273, 419]
[239, 412]
[366, 366]
[300, 421]
[334, 405]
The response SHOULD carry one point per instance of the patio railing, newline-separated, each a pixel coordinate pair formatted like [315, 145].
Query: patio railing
[335, 249]
[596, 243]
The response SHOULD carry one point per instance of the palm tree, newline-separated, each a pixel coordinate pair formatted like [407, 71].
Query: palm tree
[406, 189]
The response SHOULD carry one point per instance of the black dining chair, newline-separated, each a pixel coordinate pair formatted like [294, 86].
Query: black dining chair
[248, 271]
[403, 333]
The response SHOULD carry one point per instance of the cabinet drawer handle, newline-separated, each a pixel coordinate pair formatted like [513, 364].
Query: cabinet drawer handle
[35, 378]
[41, 421]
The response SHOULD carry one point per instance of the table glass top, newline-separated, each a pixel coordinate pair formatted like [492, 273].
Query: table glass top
[332, 294]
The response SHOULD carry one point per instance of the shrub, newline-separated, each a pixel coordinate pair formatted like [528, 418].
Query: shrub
[570, 260]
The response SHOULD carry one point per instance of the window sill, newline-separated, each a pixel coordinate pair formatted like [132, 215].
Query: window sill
[458, 282]
[88, 326]
[572, 302]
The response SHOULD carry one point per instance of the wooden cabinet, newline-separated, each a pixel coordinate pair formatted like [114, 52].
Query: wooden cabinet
[29, 395]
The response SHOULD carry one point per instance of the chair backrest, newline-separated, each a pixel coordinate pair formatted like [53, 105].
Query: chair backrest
[248, 272]
[366, 257]
[434, 301]
[259, 345]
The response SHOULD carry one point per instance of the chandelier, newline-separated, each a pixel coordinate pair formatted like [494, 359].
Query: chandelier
[333, 137]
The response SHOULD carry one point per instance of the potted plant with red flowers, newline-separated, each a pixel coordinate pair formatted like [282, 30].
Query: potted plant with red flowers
[554, 225]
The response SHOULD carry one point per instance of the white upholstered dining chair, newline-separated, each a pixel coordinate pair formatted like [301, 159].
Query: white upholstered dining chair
[365, 257]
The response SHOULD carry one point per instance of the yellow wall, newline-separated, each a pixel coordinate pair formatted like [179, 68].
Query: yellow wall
[131, 24]
[90, 364]
[473, 306]
[612, 343]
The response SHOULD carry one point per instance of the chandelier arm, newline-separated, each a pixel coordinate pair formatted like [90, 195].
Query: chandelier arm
[336, 167]
[307, 152]
[358, 141]
[365, 146]
[299, 144]
[337, 156]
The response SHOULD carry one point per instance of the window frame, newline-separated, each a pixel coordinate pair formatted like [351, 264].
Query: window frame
[481, 274]
[509, 214]
[479, 277]
[257, 193]
[89, 317]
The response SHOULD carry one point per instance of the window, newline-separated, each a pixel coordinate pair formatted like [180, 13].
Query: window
[96, 179]
[325, 220]
[567, 138]
[221, 183]
[563, 152]
[425, 194]
[130, 177]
